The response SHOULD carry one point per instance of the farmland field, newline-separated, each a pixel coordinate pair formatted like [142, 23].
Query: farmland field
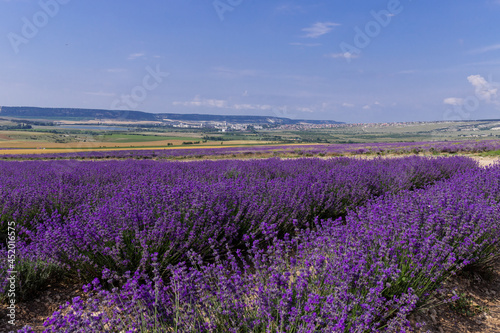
[249, 149]
[47, 142]
[269, 245]
[132, 136]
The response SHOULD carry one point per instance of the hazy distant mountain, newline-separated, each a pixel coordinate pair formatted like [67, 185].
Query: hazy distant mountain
[64, 113]
[122, 115]
[241, 119]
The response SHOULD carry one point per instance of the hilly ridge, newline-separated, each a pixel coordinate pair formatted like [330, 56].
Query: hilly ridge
[125, 115]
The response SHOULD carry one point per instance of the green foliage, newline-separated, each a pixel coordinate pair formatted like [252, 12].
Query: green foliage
[466, 306]
[32, 277]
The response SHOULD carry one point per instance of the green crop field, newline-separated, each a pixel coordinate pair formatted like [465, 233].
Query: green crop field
[130, 138]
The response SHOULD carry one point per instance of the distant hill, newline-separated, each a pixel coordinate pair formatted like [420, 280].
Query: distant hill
[65, 113]
[240, 119]
[26, 112]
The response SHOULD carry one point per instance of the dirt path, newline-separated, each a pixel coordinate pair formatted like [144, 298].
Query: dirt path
[35, 311]
[485, 161]
[477, 312]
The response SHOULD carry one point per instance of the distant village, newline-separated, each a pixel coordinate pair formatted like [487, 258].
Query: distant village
[233, 127]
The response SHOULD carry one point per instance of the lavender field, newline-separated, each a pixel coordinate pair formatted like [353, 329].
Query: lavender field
[383, 148]
[269, 245]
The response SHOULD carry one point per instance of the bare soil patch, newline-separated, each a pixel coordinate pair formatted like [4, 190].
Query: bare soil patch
[38, 308]
[486, 161]
[478, 311]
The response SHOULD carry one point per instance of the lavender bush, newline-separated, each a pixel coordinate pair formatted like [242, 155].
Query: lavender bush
[306, 245]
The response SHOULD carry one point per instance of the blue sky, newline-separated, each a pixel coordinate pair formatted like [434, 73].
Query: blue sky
[352, 61]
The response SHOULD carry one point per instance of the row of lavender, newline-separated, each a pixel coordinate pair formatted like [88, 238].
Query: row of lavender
[313, 150]
[66, 210]
[365, 274]
[118, 217]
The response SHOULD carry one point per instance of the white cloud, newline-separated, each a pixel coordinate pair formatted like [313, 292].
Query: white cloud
[280, 111]
[223, 104]
[453, 101]
[319, 29]
[134, 56]
[348, 105]
[346, 55]
[251, 107]
[243, 106]
[197, 101]
[367, 107]
[484, 89]
[485, 49]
